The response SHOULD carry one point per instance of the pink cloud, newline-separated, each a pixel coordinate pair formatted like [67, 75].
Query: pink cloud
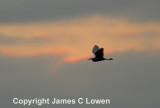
[77, 58]
[81, 34]
[126, 32]
[41, 35]
[48, 51]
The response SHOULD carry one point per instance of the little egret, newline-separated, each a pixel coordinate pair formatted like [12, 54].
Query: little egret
[98, 54]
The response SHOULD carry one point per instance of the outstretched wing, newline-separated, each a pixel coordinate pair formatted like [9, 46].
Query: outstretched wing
[99, 54]
[95, 49]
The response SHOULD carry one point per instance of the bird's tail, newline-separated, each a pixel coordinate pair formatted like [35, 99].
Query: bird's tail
[108, 58]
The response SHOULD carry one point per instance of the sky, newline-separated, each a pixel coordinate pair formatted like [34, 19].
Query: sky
[45, 44]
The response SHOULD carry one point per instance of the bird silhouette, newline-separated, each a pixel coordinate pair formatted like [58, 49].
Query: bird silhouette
[98, 52]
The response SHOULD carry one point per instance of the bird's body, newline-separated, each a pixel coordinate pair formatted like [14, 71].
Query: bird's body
[98, 54]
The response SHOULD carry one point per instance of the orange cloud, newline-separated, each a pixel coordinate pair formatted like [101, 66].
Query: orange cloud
[80, 35]
[78, 58]
[42, 35]
[126, 32]
[49, 51]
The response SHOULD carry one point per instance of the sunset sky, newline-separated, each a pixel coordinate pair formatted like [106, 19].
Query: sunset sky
[45, 44]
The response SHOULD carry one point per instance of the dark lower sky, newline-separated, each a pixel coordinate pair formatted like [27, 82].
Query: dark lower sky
[131, 80]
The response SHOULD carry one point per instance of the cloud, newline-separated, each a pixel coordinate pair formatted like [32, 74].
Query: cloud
[74, 59]
[57, 52]
[80, 35]
[35, 39]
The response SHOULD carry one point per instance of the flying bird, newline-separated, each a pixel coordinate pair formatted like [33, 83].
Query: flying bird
[98, 54]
